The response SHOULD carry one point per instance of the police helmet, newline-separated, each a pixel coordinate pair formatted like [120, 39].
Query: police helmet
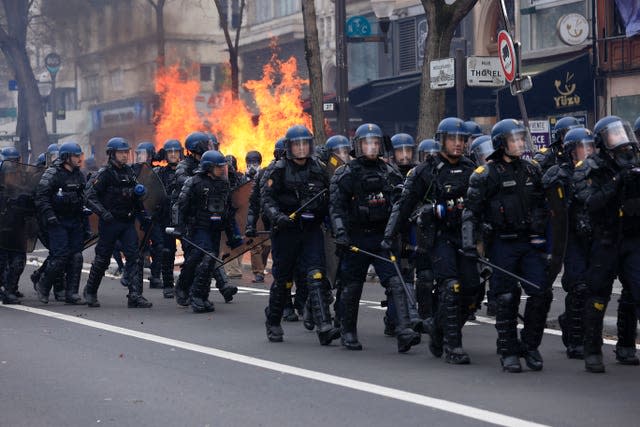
[214, 159]
[337, 141]
[279, 149]
[10, 153]
[53, 148]
[117, 144]
[451, 126]
[198, 143]
[253, 157]
[428, 148]
[145, 151]
[578, 143]
[368, 134]
[481, 149]
[215, 144]
[612, 132]
[51, 154]
[295, 135]
[562, 126]
[474, 129]
[511, 129]
[404, 149]
[69, 149]
[41, 160]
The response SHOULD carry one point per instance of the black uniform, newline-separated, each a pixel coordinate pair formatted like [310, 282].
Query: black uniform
[508, 197]
[203, 209]
[297, 242]
[441, 186]
[60, 201]
[548, 157]
[167, 175]
[110, 195]
[362, 195]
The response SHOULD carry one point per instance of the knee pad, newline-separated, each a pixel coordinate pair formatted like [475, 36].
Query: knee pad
[57, 263]
[315, 277]
[451, 286]
[508, 298]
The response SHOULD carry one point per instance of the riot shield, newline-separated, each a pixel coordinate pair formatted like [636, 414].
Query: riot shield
[558, 230]
[18, 219]
[240, 200]
[93, 227]
[156, 194]
[333, 163]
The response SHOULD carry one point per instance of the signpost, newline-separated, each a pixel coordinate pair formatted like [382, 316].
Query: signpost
[484, 71]
[442, 73]
[507, 55]
[53, 62]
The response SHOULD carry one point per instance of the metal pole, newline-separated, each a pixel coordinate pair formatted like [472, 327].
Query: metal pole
[342, 75]
[54, 124]
[460, 83]
[595, 58]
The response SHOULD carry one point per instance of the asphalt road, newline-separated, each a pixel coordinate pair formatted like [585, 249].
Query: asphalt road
[66, 365]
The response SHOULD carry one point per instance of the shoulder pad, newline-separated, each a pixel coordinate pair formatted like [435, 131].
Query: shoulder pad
[535, 162]
[580, 162]
[280, 164]
[411, 171]
[543, 150]
[480, 174]
[479, 170]
[341, 170]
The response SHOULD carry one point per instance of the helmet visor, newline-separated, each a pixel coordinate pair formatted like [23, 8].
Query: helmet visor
[342, 152]
[617, 134]
[481, 151]
[404, 156]
[370, 147]
[51, 157]
[173, 156]
[142, 156]
[220, 171]
[300, 148]
[517, 143]
[582, 150]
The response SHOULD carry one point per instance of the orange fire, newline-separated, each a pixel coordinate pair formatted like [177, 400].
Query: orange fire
[278, 100]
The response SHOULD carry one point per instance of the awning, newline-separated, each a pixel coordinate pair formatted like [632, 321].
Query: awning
[565, 88]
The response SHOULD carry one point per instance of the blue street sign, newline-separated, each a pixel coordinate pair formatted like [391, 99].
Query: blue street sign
[358, 26]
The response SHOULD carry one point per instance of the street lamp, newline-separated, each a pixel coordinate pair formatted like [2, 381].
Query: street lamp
[383, 9]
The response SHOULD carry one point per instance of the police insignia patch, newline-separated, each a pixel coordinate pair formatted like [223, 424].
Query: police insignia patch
[479, 169]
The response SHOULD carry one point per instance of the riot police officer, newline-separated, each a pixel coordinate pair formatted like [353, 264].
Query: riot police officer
[60, 201]
[206, 199]
[340, 146]
[443, 181]
[145, 153]
[552, 155]
[253, 160]
[600, 184]
[114, 195]
[167, 173]
[578, 143]
[474, 130]
[506, 195]
[197, 143]
[260, 253]
[362, 194]
[428, 148]
[404, 152]
[293, 196]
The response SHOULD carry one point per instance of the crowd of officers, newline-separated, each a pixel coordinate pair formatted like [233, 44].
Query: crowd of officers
[437, 221]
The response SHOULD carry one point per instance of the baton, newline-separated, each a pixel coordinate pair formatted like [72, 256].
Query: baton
[307, 203]
[486, 262]
[173, 232]
[392, 260]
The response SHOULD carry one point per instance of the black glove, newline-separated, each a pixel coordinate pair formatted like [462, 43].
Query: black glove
[283, 221]
[386, 244]
[250, 231]
[52, 221]
[106, 216]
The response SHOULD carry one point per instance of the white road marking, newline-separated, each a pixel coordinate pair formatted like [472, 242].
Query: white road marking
[392, 393]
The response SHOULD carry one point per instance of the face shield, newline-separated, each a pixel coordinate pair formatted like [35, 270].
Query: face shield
[299, 149]
[342, 153]
[454, 144]
[582, 150]
[51, 157]
[76, 161]
[173, 156]
[481, 151]
[369, 147]
[122, 157]
[617, 134]
[141, 156]
[404, 156]
[220, 171]
[518, 144]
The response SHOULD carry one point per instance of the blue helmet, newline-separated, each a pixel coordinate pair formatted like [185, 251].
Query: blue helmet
[368, 132]
[52, 153]
[612, 132]
[214, 141]
[481, 149]
[41, 160]
[562, 126]
[578, 137]
[253, 157]
[198, 143]
[145, 151]
[10, 153]
[451, 126]
[172, 145]
[337, 141]
[506, 128]
[69, 149]
[298, 134]
[279, 150]
[428, 148]
[53, 148]
[402, 140]
[404, 149]
[117, 144]
[474, 129]
[211, 159]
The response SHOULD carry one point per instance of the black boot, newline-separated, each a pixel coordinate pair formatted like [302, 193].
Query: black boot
[535, 317]
[320, 308]
[90, 292]
[74, 269]
[405, 335]
[506, 325]
[594, 311]
[627, 330]
[222, 283]
[54, 270]
[350, 302]
[307, 317]
[572, 322]
[450, 317]
[135, 298]
[168, 258]
[277, 298]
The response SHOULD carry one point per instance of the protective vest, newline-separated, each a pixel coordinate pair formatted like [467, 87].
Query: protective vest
[119, 197]
[372, 195]
[210, 197]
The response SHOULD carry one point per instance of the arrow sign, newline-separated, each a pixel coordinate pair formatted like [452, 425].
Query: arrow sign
[507, 55]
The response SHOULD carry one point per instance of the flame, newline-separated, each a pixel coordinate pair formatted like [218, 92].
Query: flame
[278, 101]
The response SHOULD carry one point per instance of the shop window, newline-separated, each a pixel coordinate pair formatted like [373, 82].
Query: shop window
[626, 107]
[539, 20]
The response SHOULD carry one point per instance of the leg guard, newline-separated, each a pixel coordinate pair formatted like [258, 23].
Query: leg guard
[627, 330]
[594, 311]
[168, 259]
[55, 267]
[222, 283]
[451, 317]
[320, 307]
[350, 302]
[424, 293]
[133, 267]
[74, 269]
[200, 288]
[506, 325]
[572, 321]
[535, 317]
[405, 335]
[277, 299]
[98, 267]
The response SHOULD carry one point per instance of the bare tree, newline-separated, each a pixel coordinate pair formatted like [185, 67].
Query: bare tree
[13, 43]
[312, 54]
[442, 20]
[232, 45]
[158, 7]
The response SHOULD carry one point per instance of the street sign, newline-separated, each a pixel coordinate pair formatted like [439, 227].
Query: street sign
[328, 106]
[53, 61]
[507, 55]
[358, 26]
[539, 132]
[484, 71]
[442, 73]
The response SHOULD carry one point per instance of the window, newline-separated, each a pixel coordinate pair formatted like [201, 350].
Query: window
[267, 10]
[116, 80]
[539, 20]
[92, 87]
[407, 40]
[625, 107]
[205, 73]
